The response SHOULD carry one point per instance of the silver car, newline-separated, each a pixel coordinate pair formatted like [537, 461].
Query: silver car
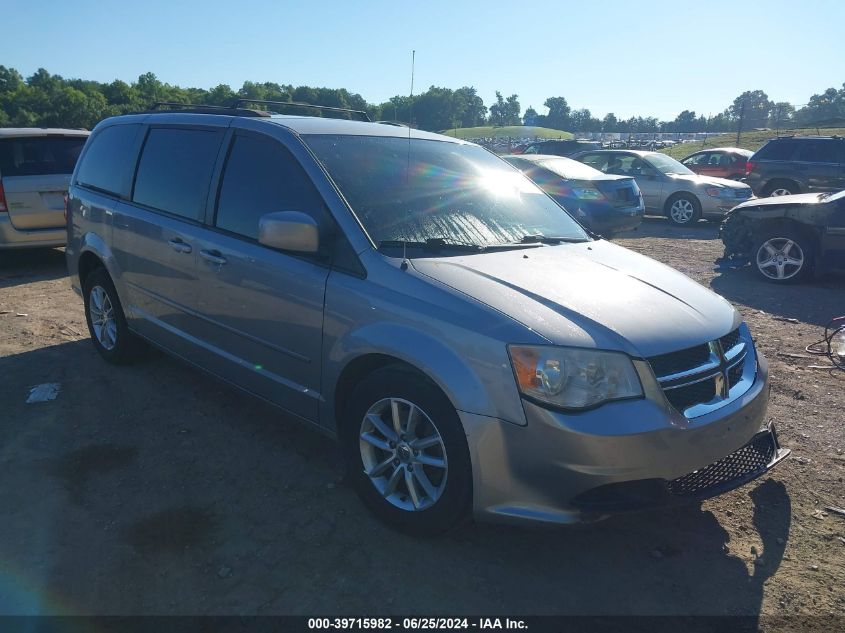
[669, 188]
[35, 169]
[472, 349]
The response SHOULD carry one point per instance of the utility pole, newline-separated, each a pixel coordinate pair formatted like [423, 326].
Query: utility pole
[741, 119]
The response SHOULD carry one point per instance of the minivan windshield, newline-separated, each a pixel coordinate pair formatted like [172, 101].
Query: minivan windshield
[668, 165]
[428, 191]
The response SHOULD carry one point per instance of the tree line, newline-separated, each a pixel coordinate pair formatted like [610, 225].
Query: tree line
[45, 100]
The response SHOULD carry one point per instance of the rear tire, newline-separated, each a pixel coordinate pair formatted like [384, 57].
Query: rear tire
[783, 255]
[781, 188]
[683, 209]
[406, 452]
[106, 320]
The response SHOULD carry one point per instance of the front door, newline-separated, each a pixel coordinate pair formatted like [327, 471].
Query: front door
[261, 310]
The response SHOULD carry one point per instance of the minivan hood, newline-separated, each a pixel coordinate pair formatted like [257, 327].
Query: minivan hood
[591, 294]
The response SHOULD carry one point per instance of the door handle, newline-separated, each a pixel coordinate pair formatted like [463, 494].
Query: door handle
[179, 246]
[213, 256]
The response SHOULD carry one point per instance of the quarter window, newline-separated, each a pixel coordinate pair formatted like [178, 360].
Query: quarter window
[820, 151]
[175, 170]
[107, 163]
[261, 176]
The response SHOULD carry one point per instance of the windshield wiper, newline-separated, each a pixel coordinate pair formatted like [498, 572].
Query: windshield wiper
[432, 244]
[546, 239]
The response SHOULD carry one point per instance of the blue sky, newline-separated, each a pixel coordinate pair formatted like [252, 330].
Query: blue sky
[639, 57]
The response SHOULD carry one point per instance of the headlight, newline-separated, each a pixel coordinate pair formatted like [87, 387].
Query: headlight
[573, 378]
[587, 193]
[720, 192]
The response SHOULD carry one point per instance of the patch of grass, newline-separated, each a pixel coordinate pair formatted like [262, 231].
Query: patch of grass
[521, 131]
[752, 140]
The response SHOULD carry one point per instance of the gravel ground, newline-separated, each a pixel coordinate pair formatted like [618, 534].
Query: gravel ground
[152, 489]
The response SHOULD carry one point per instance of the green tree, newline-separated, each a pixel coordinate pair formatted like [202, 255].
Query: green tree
[754, 108]
[559, 113]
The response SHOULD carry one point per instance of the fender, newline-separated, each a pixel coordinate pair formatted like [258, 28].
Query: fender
[452, 373]
[92, 243]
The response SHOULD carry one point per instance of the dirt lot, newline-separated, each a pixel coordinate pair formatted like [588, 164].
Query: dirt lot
[154, 489]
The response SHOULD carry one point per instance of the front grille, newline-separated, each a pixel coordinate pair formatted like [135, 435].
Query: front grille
[729, 341]
[735, 374]
[705, 374]
[743, 464]
[677, 362]
[684, 397]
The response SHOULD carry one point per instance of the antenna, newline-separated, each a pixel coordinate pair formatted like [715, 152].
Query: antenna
[408, 164]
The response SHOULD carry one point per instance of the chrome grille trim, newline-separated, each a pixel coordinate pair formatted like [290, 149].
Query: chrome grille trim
[721, 368]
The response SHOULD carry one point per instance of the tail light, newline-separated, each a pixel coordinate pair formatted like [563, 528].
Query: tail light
[3, 207]
[749, 167]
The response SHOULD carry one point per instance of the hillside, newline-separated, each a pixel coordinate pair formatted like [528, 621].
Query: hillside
[749, 140]
[512, 131]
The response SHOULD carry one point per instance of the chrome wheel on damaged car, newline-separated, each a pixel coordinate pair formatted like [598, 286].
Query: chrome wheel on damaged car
[406, 451]
[782, 258]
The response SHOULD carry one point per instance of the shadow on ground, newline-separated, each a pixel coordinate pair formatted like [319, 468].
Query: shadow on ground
[152, 489]
[816, 301]
[654, 226]
[27, 265]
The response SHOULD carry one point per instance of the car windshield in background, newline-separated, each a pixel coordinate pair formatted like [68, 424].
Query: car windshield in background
[668, 165]
[422, 191]
[568, 168]
[39, 155]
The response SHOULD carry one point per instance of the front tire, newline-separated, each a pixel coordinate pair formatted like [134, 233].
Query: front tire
[783, 255]
[683, 209]
[406, 452]
[106, 320]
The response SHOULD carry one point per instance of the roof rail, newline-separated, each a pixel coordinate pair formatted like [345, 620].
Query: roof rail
[358, 114]
[194, 108]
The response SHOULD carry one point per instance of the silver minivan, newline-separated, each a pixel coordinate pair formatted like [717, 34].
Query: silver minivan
[471, 347]
[35, 169]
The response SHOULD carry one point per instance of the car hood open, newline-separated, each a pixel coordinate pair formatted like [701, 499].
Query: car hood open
[591, 294]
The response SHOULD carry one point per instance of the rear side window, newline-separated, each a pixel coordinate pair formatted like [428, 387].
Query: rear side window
[261, 176]
[175, 170]
[777, 150]
[818, 151]
[109, 159]
[39, 155]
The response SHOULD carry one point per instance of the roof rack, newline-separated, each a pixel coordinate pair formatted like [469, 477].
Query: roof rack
[194, 108]
[358, 114]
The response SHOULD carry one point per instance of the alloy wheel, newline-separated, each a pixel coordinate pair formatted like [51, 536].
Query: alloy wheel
[102, 317]
[403, 454]
[780, 258]
[682, 211]
[780, 191]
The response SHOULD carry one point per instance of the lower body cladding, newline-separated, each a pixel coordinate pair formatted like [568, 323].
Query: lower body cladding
[571, 468]
[11, 237]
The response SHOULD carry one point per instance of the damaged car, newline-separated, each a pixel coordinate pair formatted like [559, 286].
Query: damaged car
[787, 238]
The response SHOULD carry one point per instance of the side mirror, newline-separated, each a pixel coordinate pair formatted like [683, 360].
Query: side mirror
[289, 231]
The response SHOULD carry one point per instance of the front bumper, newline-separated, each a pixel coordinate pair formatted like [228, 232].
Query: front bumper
[569, 468]
[714, 206]
[10, 237]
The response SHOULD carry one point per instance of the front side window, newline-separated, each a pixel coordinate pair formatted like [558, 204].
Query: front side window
[416, 190]
[261, 176]
[175, 170]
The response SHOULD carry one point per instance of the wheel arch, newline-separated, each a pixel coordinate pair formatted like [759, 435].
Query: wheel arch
[378, 345]
[677, 194]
